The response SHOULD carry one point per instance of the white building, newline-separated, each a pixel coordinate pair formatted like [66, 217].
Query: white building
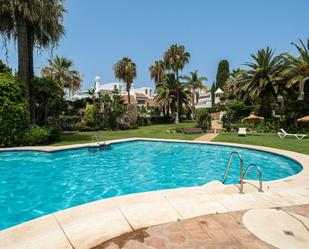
[205, 98]
[139, 96]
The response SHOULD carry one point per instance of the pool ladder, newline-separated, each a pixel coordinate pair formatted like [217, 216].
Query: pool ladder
[243, 173]
[101, 146]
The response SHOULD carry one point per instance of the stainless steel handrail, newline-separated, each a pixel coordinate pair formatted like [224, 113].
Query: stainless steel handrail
[241, 163]
[260, 175]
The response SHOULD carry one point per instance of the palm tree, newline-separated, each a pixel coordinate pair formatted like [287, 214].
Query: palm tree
[59, 69]
[157, 71]
[262, 79]
[230, 86]
[91, 92]
[170, 90]
[297, 71]
[175, 59]
[31, 23]
[194, 81]
[125, 69]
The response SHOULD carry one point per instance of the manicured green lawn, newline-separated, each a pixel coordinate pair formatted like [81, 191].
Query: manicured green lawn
[160, 131]
[268, 140]
[153, 131]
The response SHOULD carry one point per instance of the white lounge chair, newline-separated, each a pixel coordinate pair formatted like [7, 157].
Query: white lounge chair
[284, 134]
[242, 132]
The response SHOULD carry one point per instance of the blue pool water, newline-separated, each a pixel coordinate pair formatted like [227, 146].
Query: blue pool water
[33, 184]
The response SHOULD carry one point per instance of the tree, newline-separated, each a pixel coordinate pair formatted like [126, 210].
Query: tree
[212, 92]
[91, 92]
[112, 108]
[175, 58]
[31, 23]
[157, 71]
[194, 81]
[297, 70]
[47, 93]
[59, 69]
[125, 70]
[230, 86]
[203, 119]
[4, 68]
[262, 79]
[171, 91]
[13, 111]
[223, 73]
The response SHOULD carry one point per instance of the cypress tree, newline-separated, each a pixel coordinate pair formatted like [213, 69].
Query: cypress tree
[223, 73]
[212, 92]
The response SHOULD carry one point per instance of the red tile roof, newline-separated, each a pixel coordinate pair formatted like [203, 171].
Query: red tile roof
[125, 98]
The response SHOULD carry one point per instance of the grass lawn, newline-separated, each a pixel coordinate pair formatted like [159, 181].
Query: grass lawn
[268, 140]
[153, 131]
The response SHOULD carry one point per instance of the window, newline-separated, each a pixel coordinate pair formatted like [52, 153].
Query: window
[141, 102]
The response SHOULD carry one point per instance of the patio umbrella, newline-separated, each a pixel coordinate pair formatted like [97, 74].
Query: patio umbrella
[252, 118]
[303, 119]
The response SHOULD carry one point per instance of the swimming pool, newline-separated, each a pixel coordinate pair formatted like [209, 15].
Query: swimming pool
[34, 183]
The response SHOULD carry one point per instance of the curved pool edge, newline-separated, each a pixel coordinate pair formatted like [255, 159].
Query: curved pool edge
[92, 223]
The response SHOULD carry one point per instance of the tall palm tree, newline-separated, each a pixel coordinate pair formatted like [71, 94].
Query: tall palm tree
[194, 81]
[175, 59]
[59, 69]
[262, 79]
[125, 69]
[31, 23]
[157, 71]
[297, 71]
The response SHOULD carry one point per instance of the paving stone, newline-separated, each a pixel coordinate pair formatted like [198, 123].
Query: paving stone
[157, 243]
[176, 238]
[216, 231]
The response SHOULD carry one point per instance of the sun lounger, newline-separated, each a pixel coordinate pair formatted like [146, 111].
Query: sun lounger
[282, 134]
[242, 132]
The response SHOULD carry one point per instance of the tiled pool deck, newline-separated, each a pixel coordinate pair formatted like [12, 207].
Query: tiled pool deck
[91, 224]
[213, 231]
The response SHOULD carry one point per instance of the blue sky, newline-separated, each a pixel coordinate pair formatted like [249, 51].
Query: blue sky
[99, 32]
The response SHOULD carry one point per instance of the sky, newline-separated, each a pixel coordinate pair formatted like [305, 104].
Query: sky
[100, 32]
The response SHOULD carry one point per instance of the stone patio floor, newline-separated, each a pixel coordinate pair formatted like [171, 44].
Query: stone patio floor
[220, 231]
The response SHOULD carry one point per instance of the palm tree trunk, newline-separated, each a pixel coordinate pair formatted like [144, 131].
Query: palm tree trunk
[306, 95]
[177, 102]
[265, 108]
[30, 44]
[129, 101]
[23, 62]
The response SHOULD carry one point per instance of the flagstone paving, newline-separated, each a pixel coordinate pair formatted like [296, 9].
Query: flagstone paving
[220, 231]
[207, 137]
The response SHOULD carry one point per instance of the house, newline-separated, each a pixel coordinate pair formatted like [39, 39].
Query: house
[205, 98]
[142, 96]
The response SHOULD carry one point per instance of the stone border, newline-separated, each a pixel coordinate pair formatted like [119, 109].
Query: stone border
[90, 224]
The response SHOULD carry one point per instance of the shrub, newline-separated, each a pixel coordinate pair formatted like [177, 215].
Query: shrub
[127, 126]
[143, 121]
[92, 116]
[68, 122]
[83, 126]
[13, 111]
[202, 118]
[41, 135]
